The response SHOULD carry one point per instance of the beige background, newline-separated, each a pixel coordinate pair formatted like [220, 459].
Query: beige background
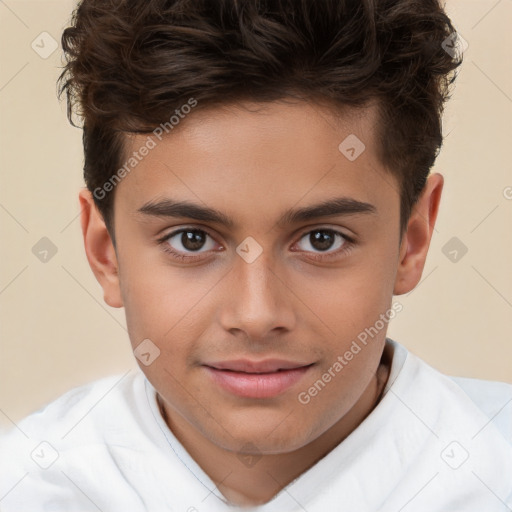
[56, 331]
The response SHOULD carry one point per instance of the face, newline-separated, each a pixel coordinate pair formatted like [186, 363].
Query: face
[256, 282]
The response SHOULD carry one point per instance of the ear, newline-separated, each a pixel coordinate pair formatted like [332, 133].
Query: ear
[99, 249]
[416, 239]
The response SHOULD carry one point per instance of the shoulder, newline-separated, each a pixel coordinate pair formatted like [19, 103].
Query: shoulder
[485, 404]
[48, 452]
[493, 398]
[83, 403]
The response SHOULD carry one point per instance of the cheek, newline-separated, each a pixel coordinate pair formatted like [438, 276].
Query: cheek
[160, 298]
[354, 306]
[346, 299]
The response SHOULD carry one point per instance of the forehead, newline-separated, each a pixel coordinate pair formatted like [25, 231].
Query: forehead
[262, 157]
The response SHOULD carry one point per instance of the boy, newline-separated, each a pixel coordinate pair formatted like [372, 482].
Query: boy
[258, 189]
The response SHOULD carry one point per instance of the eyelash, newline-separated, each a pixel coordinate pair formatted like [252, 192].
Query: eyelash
[347, 246]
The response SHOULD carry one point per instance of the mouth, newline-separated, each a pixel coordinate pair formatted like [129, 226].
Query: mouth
[265, 379]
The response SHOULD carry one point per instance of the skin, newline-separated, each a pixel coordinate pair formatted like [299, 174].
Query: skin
[253, 162]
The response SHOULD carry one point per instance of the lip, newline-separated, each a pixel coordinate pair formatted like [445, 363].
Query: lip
[257, 384]
[264, 366]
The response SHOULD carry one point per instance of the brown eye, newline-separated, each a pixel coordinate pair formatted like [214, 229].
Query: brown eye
[189, 240]
[323, 240]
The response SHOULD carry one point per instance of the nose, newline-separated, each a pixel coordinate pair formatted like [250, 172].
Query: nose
[259, 302]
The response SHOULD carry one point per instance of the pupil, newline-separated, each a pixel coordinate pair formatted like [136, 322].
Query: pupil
[321, 240]
[192, 240]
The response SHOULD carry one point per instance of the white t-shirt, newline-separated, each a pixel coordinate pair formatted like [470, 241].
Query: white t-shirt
[432, 444]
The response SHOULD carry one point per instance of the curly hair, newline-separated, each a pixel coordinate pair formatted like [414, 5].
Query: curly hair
[129, 63]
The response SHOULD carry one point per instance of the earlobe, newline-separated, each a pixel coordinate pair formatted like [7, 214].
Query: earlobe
[100, 250]
[416, 239]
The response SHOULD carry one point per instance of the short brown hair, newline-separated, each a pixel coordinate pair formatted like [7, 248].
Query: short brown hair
[130, 63]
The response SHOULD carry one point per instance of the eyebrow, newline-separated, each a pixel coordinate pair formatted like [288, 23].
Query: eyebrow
[332, 207]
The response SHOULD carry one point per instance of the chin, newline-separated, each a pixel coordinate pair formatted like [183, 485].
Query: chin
[256, 442]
